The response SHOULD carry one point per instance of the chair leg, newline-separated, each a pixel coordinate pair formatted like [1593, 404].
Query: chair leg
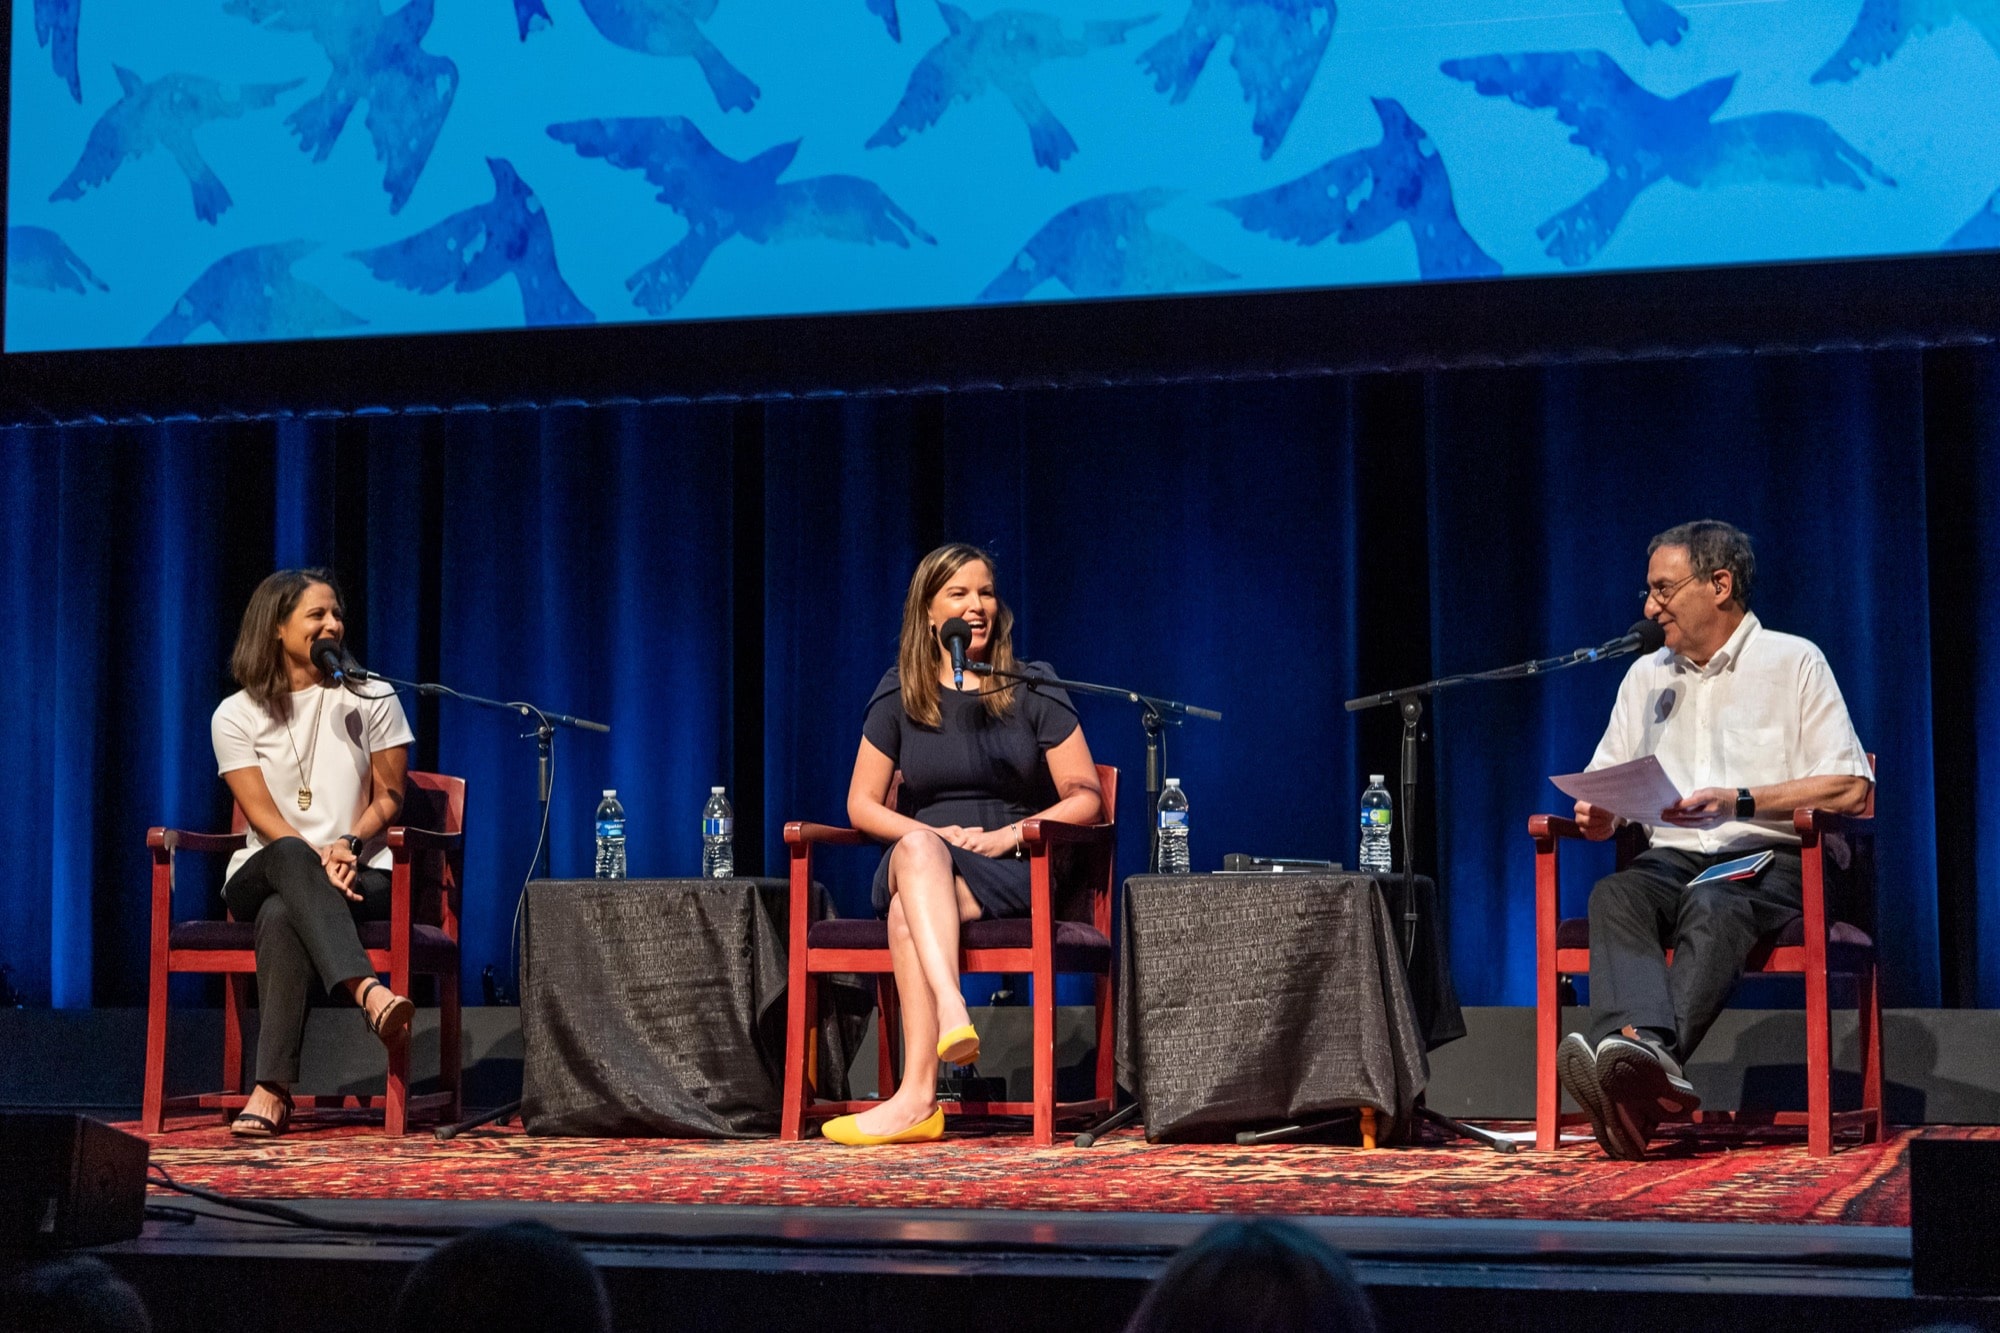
[1868, 1006]
[799, 1038]
[451, 1053]
[888, 1034]
[235, 1001]
[1548, 1093]
[1819, 1066]
[1045, 1057]
[152, 1115]
[1107, 1044]
[396, 1106]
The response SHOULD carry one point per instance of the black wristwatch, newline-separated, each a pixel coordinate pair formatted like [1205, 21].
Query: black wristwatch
[354, 843]
[1746, 804]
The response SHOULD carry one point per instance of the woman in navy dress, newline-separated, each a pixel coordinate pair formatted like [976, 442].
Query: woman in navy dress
[975, 763]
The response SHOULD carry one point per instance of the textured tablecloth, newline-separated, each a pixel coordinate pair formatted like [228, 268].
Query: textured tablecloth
[656, 1007]
[1248, 999]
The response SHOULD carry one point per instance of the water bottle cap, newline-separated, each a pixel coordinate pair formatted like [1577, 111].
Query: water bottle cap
[1173, 782]
[1375, 779]
[715, 791]
[610, 791]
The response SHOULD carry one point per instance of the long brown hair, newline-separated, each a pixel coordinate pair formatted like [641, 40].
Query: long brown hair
[920, 656]
[257, 662]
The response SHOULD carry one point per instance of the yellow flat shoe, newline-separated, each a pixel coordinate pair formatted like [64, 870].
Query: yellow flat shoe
[842, 1129]
[960, 1046]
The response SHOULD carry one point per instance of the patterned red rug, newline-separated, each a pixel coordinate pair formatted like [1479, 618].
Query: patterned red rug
[1711, 1178]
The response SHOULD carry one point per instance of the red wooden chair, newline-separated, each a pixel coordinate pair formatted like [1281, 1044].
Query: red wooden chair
[420, 936]
[1812, 945]
[1037, 944]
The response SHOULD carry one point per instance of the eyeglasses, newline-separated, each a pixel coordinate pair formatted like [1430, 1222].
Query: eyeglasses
[1661, 596]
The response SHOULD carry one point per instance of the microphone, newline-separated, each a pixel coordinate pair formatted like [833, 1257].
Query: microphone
[956, 636]
[334, 663]
[1645, 636]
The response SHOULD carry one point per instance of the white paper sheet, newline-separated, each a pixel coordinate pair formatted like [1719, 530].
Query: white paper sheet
[1637, 791]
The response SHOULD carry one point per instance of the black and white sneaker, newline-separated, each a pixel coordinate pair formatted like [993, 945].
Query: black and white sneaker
[1638, 1076]
[1577, 1071]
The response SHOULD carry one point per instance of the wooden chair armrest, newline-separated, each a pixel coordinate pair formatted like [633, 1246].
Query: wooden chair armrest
[181, 840]
[800, 833]
[1546, 828]
[423, 839]
[1036, 832]
[1810, 823]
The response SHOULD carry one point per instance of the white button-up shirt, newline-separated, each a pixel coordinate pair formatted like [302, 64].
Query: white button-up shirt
[1764, 709]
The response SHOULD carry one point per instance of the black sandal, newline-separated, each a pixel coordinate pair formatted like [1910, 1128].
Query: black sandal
[393, 1023]
[250, 1125]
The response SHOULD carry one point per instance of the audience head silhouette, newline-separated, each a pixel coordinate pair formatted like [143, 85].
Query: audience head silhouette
[518, 1278]
[75, 1294]
[1256, 1276]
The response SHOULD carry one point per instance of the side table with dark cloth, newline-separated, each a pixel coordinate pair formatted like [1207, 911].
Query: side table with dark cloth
[656, 1007]
[1248, 999]
[1431, 990]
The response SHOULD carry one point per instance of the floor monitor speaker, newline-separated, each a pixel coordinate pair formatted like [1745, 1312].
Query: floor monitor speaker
[1954, 1221]
[68, 1180]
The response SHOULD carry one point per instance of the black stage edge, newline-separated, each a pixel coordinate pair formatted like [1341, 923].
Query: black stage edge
[719, 1268]
[1926, 300]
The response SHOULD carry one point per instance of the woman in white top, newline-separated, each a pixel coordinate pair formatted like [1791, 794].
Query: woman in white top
[318, 770]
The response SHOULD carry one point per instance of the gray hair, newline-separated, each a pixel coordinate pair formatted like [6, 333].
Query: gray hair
[1712, 547]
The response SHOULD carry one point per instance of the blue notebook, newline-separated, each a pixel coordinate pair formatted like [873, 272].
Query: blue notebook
[1743, 867]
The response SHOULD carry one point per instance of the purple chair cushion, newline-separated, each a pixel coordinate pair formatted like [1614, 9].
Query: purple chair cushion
[1078, 946]
[431, 950]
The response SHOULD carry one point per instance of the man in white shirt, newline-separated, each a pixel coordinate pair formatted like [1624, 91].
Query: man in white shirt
[1750, 723]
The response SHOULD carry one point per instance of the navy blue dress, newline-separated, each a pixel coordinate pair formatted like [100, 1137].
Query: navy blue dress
[974, 770]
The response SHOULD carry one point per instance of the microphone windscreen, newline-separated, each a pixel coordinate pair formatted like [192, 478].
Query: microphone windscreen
[955, 628]
[1650, 633]
[326, 655]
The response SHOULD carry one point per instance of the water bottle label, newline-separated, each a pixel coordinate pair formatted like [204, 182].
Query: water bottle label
[1378, 818]
[610, 828]
[718, 828]
[1173, 819]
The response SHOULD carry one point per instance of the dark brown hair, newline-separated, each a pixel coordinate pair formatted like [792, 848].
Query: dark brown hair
[257, 662]
[919, 656]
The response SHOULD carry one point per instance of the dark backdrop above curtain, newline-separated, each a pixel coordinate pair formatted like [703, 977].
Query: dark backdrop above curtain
[723, 585]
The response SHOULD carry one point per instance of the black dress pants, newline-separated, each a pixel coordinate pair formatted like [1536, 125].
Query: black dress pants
[1647, 908]
[305, 928]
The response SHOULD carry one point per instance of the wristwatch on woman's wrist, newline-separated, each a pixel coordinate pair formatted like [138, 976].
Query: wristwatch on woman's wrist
[1746, 804]
[353, 844]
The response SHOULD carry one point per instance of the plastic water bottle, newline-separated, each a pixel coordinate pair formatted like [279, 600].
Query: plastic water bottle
[1173, 824]
[610, 837]
[1378, 816]
[718, 837]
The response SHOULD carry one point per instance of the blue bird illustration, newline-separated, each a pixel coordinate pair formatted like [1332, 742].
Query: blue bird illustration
[165, 114]
[1982, 233]
[378, 59]
[886, 11]
[1884, 25]
[530, 16]
[1657, 21]
[671, 28]
[55, 27]
[1645, 139]
[251, 294]
[1362, 194]
[1275, 48]
[477, 247]
[1001, 52]
[37, 257]
[1106, 247]
[721, 197]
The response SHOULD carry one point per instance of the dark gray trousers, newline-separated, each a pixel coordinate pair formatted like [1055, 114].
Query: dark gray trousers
[305, 928]
[1647, 908]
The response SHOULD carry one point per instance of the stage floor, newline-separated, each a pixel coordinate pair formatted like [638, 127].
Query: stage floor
[1718, 1176]
[1722, 1230]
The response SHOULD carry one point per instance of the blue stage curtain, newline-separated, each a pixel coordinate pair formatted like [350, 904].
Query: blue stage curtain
[724, 584]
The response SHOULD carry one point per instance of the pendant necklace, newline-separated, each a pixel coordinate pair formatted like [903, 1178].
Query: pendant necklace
[312, 748]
